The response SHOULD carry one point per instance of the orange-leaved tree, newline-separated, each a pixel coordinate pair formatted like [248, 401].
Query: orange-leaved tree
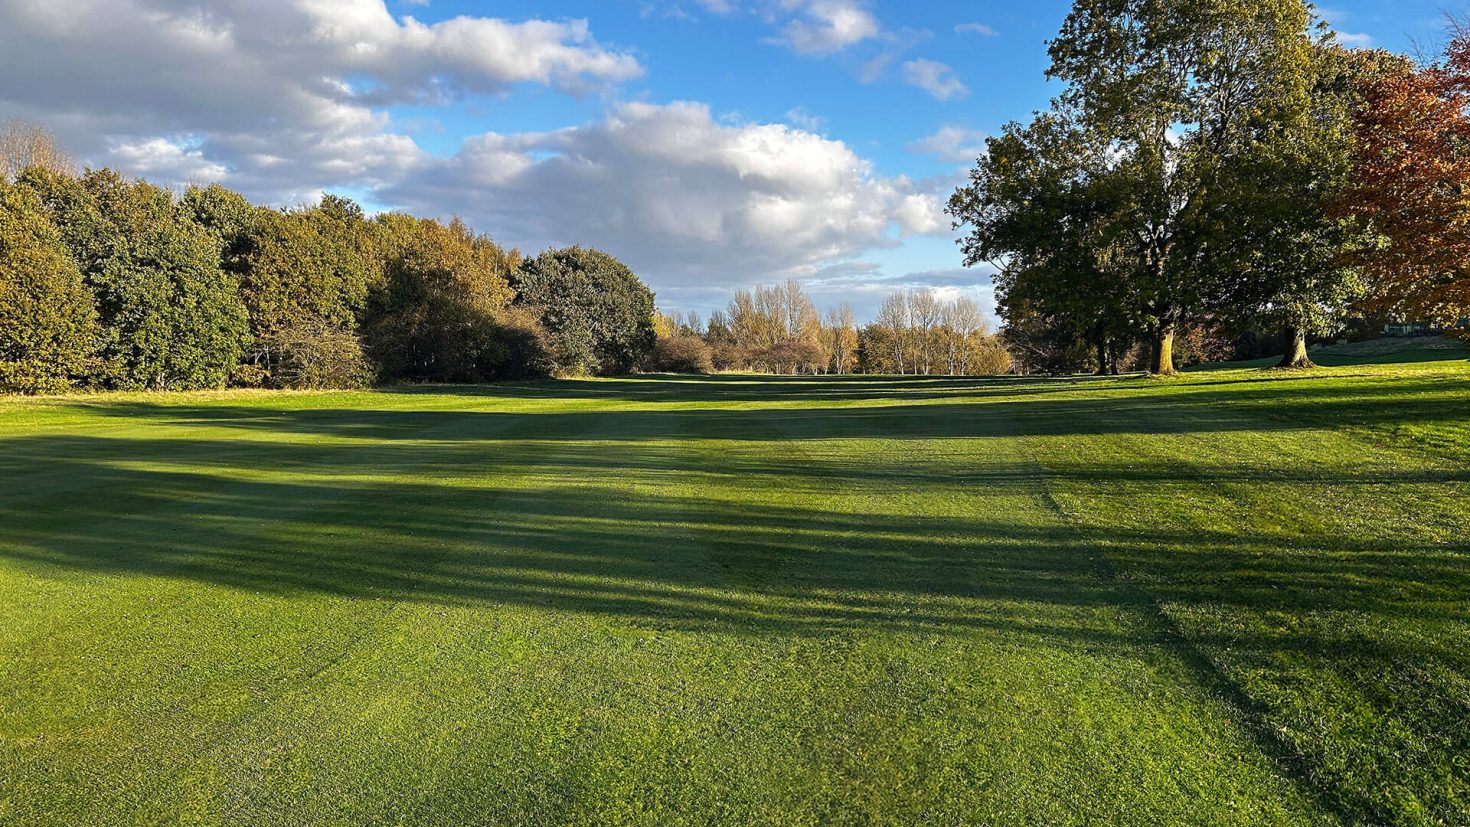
[1411, 182]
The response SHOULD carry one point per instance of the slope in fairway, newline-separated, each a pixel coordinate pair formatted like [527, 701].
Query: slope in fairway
[1230, 599]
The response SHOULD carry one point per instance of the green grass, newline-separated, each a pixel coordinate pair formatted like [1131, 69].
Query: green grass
[1387, 351]
[1240, 597]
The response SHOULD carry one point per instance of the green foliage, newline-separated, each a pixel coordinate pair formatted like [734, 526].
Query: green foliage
[209, 289]
[599, 314]
[1183, 171]
[1044, 202]
[226, 214]
[48, 327]
[172, 317]
[1295, 272]
[435, 317]
[523, 347]
[1045, 344]
[300, 270]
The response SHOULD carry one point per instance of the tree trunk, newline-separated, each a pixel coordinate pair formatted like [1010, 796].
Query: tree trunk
[1296, 350]
[1161, 361]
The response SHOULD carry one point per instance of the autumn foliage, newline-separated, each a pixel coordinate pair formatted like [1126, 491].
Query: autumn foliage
[1412, 182]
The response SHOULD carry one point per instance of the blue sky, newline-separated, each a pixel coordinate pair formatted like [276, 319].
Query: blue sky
[713, 144]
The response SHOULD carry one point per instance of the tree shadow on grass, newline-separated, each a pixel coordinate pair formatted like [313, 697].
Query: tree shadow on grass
[359, 466]
[517, 521]
[672, 559]
[734, 388]
[608, 513]
[982, 409]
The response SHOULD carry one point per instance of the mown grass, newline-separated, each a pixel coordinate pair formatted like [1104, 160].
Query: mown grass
[1386, 351]
[1241, 597]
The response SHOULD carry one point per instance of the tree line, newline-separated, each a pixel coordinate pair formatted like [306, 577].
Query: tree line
[778, 329]
[112, 283]
[1210, 168]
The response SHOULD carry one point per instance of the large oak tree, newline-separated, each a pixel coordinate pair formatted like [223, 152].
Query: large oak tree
[1124, 204]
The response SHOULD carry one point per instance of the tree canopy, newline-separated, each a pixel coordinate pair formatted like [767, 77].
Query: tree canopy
[1412, 126]
[1182, 173]
[172, 317]
[48, 326]
[599, 314]
[108, 282]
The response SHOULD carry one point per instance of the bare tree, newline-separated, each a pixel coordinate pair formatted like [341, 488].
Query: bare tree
[841, 338]
[774, 328]
[961, 321]
[924, 313]
[798, 315]
[24, 145]
[893, 316]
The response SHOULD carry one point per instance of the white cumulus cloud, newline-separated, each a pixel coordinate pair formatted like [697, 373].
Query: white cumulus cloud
[173, 159]
[827, 26]
[696, 203]
[276, 92]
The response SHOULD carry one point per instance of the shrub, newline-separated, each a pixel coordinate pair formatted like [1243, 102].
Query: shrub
[682, 353]
[792, 356]
[311, 353]
[524, 347]
[727, 355]
[988, 356]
